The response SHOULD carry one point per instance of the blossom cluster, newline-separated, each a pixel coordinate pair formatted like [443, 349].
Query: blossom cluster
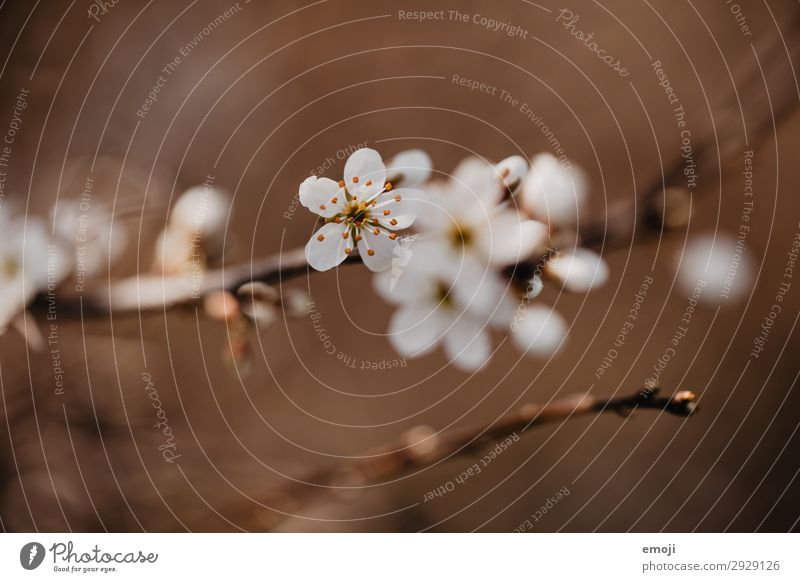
[462, 268]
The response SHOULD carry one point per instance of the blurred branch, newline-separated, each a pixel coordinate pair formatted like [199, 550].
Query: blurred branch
[421, 447]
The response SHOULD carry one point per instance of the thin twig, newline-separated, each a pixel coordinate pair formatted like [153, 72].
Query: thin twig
[422, 447]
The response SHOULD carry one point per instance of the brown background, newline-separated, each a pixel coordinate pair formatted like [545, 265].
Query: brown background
[272, 93]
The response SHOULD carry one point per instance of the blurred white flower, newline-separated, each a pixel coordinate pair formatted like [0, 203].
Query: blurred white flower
[363, 210]
[443, 302]
[410, 168]
[464, 216]
[579, 271]
[552, 192]
[719, 264]
[89, 234]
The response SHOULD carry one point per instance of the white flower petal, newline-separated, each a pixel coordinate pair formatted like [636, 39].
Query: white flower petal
[403, 205]
[539, 331]
[410, 168]
[322, 196]
[326, 248]
[579, 271]
[364, 174]
[416, 329]
[553, 193]
[510, 239]
[476, 287]
[511, 171]
[376, 250]
[468, 344]
[476, 180]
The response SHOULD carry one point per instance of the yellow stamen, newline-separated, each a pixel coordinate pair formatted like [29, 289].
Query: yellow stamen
[397, 198]
[388, 186]
[369, 183]
[387, 212]
[348, 250]
[322, 207]
[393, 222]
[341, 183]
[393, 235]
[321, 237]
[376, 232]
[355, 179]
[370, 252]
[334, 200]
[345, 234]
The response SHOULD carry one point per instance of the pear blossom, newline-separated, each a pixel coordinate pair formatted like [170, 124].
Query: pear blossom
[554, 192]
[362, 211]
[465, 216]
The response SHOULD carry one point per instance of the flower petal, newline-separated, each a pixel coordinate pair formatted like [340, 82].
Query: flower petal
[510, 239]
[364, 174]
[416, 329]
[403, 205]
[326, 248]
[468, 345]
[477, 180]
[539, 331]
[377, 250]
[579, 271]
[511, 171]
[552, 192]
[410, 168]
[322, 196]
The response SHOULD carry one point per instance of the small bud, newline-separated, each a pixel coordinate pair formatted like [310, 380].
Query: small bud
[221, 306]
[579, 271]
[539, 331]
[295, 302]
[421, 442]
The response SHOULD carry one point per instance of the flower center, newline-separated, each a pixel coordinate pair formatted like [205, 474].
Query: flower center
[461, 237]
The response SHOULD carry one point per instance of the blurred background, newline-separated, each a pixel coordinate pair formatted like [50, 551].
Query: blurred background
[258, 95]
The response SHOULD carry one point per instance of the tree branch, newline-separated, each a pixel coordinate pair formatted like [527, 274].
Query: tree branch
[421, 447]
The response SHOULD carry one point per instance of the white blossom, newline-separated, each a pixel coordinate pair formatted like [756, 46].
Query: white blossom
[441, 302]
[362, 211]
[464, 216]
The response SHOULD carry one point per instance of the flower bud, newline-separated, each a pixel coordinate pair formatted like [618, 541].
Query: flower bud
[539, 331]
